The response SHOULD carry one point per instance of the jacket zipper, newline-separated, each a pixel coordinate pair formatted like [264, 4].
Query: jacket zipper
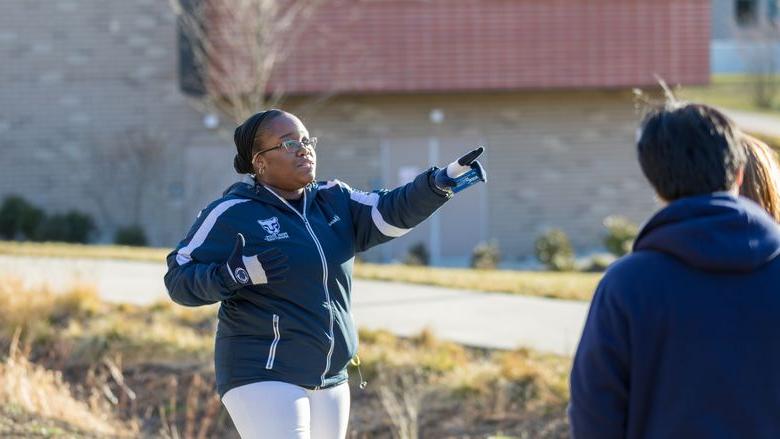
[272, 351]
[324, 278]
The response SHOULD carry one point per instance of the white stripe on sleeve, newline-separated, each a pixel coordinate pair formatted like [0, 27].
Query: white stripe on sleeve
[183, 255]
[372, 199]
[255, 270]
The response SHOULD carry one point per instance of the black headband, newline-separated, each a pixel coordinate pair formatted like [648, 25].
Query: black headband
[244, 138]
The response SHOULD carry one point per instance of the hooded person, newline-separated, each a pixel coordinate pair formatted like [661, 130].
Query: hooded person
[682, 338]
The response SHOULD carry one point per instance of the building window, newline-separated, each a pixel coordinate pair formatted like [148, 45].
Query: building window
[747, 12]
[772, 12]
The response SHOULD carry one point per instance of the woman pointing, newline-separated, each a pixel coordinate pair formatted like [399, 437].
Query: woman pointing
[277, 251]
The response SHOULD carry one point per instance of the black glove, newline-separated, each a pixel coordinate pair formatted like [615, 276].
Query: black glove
[462, 173]
[267, 267]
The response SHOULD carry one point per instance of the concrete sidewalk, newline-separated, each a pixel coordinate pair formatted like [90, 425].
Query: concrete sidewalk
[759, 123]
[474, 318]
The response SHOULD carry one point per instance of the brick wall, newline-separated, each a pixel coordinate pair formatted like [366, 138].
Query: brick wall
[78, 76]
[79, 79]
[555, 159]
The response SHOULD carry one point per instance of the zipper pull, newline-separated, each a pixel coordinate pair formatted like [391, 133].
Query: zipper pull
[356, 362]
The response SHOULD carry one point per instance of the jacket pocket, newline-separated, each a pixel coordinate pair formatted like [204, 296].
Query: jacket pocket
[272, 350]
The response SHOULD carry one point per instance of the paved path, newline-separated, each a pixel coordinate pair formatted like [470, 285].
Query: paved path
[760, 123]
[477, 319]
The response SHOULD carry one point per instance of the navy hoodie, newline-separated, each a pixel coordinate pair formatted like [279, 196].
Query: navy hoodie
[683, 335]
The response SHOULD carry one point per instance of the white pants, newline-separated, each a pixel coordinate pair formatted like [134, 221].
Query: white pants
[276, 410]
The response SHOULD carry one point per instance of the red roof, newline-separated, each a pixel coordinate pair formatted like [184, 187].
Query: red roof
[468, 45]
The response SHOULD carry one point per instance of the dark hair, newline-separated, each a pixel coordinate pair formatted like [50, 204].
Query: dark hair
[244, 138]
[689, 149]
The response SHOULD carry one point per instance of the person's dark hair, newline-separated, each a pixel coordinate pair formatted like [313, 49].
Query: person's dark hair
[245, 136]
[689, 149]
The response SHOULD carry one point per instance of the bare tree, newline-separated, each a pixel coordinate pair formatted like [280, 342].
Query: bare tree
[761, 40]
[235, 45]
[123, 176]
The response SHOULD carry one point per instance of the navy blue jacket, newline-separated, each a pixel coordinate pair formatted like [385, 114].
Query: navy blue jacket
[299, 331]
[683, 335]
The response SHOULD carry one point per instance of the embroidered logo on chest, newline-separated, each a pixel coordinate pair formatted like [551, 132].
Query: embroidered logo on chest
[271, 227]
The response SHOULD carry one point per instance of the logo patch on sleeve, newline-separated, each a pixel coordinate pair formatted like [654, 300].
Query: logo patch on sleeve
[242, 276]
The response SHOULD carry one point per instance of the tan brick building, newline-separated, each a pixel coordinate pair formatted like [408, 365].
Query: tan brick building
[546, 86]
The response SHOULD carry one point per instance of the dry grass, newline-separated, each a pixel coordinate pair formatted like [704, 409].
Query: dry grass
[433, 388]
[119, 357]
[728, 91]
[151, 367]
[462, 367]
[42, 393]
[77, 327]
[38, 312]
[569, 285]
[63, 250]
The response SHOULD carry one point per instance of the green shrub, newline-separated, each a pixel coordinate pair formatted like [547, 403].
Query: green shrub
[131, 235]
[417, 255]
[72, 226]
[19, 219]
[554, 250]
[621, 233]
[598, 263]
[486, 256]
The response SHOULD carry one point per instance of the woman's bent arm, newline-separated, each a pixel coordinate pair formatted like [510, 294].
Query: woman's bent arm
[195, 284]
[194, 277]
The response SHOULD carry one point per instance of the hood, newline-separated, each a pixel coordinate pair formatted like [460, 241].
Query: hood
[715, 232]
[245, 188]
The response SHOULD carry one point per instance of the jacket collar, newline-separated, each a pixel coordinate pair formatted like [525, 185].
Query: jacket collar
[247, 187]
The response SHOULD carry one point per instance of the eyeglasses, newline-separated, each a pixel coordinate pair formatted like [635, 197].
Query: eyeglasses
[293, 145]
